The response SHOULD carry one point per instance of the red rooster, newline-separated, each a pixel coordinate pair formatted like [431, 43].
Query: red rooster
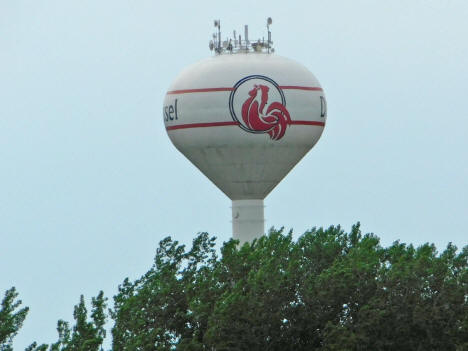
[273, 122]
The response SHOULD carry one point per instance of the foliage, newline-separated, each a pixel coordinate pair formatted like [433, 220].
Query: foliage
[329, 290]
[11, 319]
[85, 335]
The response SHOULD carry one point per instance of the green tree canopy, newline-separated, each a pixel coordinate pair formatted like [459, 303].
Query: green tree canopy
[87, 334]
[11, 318]
[328, 290]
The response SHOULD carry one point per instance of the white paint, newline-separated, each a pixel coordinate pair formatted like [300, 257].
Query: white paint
[248, 220]
[244, 165]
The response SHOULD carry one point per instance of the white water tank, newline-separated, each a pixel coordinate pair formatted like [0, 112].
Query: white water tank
[245, 120]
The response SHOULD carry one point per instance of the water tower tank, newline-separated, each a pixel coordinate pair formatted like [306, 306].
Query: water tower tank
[245, 117]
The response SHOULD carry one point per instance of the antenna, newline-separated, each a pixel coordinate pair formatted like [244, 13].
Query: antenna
[246, 37]
[269, 22]
[217, 24]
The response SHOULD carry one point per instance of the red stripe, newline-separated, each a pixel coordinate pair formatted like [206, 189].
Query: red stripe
[309, 123]
[202, 125]
[221, 124]
[209, 90]
[296, 87]
[202, 90]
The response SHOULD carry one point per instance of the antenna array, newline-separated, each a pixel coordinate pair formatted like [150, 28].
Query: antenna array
[238, 45]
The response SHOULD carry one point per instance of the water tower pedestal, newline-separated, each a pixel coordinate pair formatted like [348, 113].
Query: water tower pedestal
[248, 220]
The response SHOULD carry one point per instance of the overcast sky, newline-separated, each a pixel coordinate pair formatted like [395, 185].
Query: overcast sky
[90, 182]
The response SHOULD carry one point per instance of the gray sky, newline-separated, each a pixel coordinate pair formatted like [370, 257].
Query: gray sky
[89, 181]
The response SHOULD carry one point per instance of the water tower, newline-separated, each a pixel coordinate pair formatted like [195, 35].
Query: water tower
[245, 117]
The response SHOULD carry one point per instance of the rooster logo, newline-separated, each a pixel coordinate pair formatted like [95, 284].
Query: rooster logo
[258, 115]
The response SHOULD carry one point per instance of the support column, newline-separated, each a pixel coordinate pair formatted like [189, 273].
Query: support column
[248, 222]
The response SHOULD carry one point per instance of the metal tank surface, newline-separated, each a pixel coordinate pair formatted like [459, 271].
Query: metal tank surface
[245, 117]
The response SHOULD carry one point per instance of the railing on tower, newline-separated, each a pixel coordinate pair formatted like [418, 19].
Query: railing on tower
[237, 44]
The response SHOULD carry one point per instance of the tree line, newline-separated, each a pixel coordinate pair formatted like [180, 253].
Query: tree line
[327, 290]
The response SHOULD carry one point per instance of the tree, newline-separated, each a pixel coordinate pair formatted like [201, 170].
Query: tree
[11, 318]
[329, 290]
[167, 306]
[86, 335]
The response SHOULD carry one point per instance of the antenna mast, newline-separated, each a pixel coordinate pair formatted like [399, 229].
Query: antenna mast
[269, 22]
[217, 24]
